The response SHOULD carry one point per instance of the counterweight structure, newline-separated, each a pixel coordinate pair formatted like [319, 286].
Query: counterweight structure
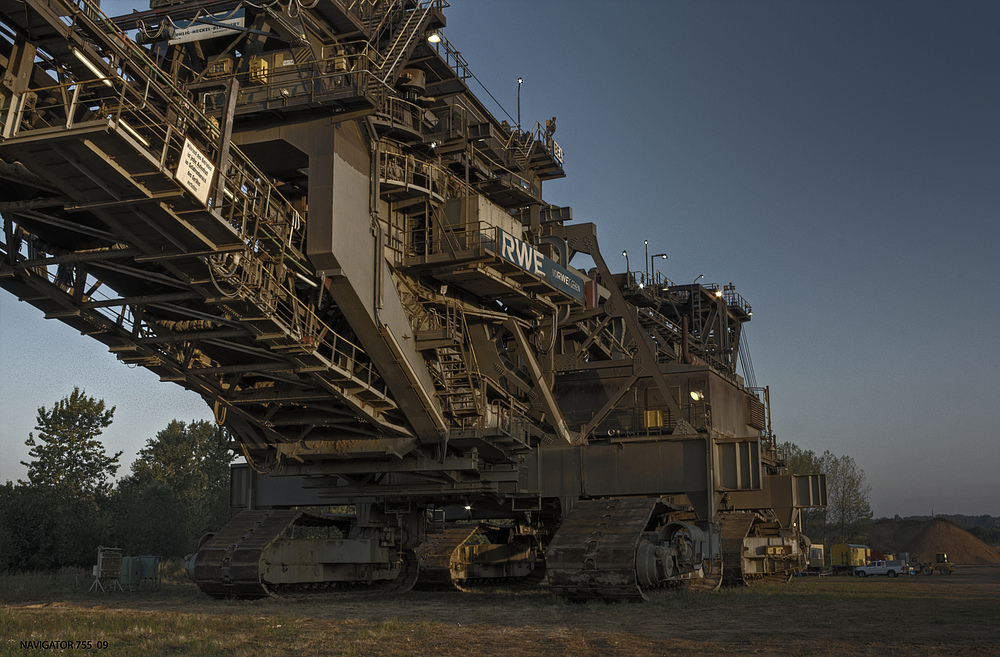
[300, 211]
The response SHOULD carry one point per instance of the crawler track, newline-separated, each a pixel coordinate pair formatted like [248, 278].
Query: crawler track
[593, 553]
[733, 530]
[445, 565]
[436, 554]
[228, 565]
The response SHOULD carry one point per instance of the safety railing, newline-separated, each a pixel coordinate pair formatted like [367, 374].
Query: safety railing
[653, 282]
[137, 76]
[471, 240]
[501, 418]
[404, 114]
[249, 203]
[376, 15]
[369, 11]
[451, 57]
[734, 300]
[306, 83]
[138, 100]
[406, 171]
[404, 41]
[395, 12]
[522, 143]
[306, 331]
[659, 320]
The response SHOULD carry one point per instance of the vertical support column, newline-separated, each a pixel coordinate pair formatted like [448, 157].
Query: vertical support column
[14, 84]
[228, 117]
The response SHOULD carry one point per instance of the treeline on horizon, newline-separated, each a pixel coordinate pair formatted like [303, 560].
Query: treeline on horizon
[177, 492]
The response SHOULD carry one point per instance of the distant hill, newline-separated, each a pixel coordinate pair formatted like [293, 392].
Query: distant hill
[967, 522]
[924, 538]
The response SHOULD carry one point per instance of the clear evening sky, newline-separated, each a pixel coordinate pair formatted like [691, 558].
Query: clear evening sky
[838, 161]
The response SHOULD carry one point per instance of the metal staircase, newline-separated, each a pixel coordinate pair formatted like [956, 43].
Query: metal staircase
[458, 373]
[404, 41]
[458, 395]
[520, 147]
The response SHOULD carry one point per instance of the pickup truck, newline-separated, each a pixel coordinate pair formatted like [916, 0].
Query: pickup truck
[890, 568]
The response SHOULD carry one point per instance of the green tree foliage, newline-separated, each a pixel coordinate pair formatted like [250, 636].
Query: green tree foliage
[148, 519]
[848, 511]
[987, 534]
[57, 518]
[178, 490]
[67, 455]
[41, 528]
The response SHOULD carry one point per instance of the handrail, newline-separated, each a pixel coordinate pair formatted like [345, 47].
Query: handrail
[524, 140]
[142, 105]
[451, 57]
[147, 72]
[409, 32]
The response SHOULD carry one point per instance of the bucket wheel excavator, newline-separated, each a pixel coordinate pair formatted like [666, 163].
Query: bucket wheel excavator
[300, 211]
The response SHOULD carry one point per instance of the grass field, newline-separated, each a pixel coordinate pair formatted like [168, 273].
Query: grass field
[937, 615]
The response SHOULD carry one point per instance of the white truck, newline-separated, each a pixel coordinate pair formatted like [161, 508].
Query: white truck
[890, 568]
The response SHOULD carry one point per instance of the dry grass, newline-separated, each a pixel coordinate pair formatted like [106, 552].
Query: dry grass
[957, 615]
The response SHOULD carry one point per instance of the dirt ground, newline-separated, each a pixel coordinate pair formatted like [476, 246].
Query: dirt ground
[936, 615]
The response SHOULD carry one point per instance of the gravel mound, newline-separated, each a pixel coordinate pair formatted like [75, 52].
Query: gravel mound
[924, 538]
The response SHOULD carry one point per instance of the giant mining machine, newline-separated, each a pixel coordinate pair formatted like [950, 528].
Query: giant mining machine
[299, 210]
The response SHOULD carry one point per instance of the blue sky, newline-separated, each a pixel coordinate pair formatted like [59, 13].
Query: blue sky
[838, 161]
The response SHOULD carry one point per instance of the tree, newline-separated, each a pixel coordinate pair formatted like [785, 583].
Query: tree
[848, 512]
[148, 519]
[186, 464]
[847, 497]
[67, 455]
[57, 518]
[42, 528]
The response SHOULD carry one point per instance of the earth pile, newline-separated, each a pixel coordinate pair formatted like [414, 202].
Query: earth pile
[924, 538]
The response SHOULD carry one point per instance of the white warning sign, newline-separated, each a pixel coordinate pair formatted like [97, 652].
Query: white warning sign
[207, 27]
[195, 171]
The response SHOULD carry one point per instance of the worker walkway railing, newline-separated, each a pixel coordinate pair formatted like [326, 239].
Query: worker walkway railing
[131, 108]
[138, 99]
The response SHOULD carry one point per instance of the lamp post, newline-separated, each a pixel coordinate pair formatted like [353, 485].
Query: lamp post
[700, 276]
[645, 248]
[628, 270]
[519, 81]
[652, 267]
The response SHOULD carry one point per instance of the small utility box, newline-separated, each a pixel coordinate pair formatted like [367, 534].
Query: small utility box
[150, 567]
[141, 573]
[108, 570]
[131, 573]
